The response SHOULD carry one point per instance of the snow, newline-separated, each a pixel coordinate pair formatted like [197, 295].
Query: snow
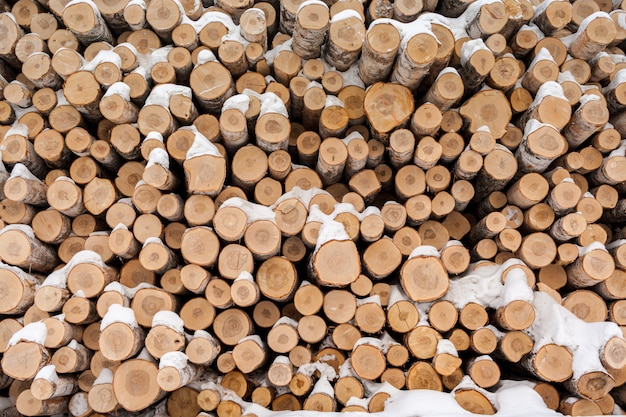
[270, 103]
[333, 101]
[48, 373]
[583, 250]
[588, 97]
[547, 89]
[424, 250]
[446, 346]
[105, 377]
[206, 55]
[254, 212]
[330, 230]
[555, 324]
[469, 48]
[484, 286]
[35, 332]
[160, 55]
[309, 2]
[374, 299]
[286, 321]
[118, 314]
[618, 78]
[169, 319]
[19, 272]
[620, 150]
[350, 138]
[346, 14]
[201, 145]
[161, 94]
[322, 386]
[119, 88]
[102, 56]
[27, 230]
[326, 371]
[176, 360]
[19, 129]
[239, 102]
[351, 77]
[589, 19]
[271, 55]
[304, 196]
[79, 404]
[159, 156]
[543, 55]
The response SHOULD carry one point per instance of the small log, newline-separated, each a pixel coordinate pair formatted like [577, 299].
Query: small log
[590, 268]
[343, 51]
[27, 404]
[553, 17]
[232, 325]
[311, 26]
[47, 384]
[202, 349]
[380, 48]
[415, 60]
[175, 371]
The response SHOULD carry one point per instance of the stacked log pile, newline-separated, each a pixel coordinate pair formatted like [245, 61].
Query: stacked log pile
[310, 205]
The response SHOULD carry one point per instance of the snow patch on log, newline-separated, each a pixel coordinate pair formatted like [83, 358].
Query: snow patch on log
[556, 324]
[254, 212]
[169, 319]
[162, 93]
[35, 332]
[270, 103]
[469, 48]
[484, 286]
[158, 156]
[119, 88]
[48, 373]
[239, 102]
[201, 145]
[105, 377]
[176, 360]
[118, 314]
[19, 129]
[104, 55]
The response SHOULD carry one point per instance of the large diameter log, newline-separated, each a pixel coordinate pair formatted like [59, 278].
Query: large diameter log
[212, 84]
[135, 384]
[424, 278]
[85, 21]
[488, 108]
[387, 107]
[336, 263]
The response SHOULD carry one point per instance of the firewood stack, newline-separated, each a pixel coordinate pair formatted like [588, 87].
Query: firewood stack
[210, 205]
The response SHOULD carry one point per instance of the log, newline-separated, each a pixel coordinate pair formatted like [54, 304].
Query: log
[387, 106]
